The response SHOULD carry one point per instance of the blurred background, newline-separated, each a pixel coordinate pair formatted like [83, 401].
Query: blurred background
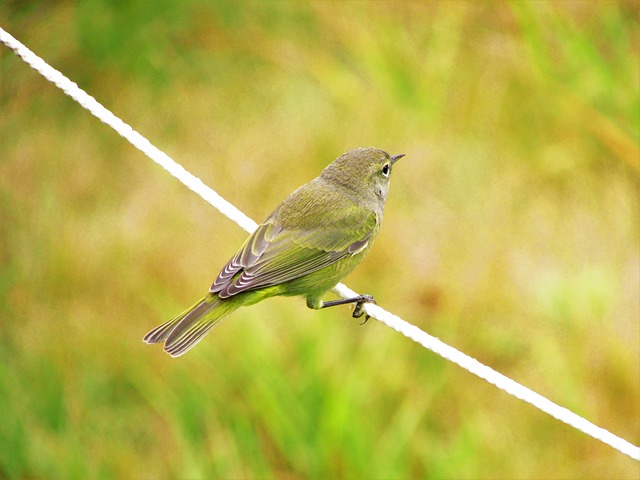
[511, 232]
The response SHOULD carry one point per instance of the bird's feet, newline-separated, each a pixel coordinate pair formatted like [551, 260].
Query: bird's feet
[358, 311]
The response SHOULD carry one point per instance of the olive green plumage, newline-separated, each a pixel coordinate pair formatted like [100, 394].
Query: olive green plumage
[314, 238]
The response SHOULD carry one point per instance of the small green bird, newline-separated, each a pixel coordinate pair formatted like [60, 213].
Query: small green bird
[316, 236]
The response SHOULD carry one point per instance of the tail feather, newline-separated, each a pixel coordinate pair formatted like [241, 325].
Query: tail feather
[181, 333]
[161, 332]
[182, 344]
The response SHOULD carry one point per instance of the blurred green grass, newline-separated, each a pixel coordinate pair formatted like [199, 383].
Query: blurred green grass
[512, 233]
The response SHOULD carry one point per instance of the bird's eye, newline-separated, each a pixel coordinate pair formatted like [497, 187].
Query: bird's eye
[386, 169]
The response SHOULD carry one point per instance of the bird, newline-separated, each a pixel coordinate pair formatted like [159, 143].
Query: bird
[314, 238]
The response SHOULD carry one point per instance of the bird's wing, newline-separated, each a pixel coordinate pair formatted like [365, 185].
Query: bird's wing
[274, 255]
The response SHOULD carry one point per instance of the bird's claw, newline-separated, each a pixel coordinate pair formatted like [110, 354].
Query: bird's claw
[358, 311]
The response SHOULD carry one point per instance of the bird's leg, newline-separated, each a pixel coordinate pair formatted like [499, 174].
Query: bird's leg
[360, 300]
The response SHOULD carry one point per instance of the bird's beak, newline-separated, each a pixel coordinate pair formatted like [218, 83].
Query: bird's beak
[395, 158]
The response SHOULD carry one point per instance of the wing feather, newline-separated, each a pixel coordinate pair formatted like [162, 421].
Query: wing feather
[252, 250]
[275, 254]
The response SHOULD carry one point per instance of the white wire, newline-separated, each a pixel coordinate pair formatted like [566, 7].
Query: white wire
[126, 131]
[414, 333]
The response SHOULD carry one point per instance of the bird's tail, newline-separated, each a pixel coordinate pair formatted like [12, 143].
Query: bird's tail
[181, 333]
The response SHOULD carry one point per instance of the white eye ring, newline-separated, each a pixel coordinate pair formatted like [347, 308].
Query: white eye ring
[386, 169]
